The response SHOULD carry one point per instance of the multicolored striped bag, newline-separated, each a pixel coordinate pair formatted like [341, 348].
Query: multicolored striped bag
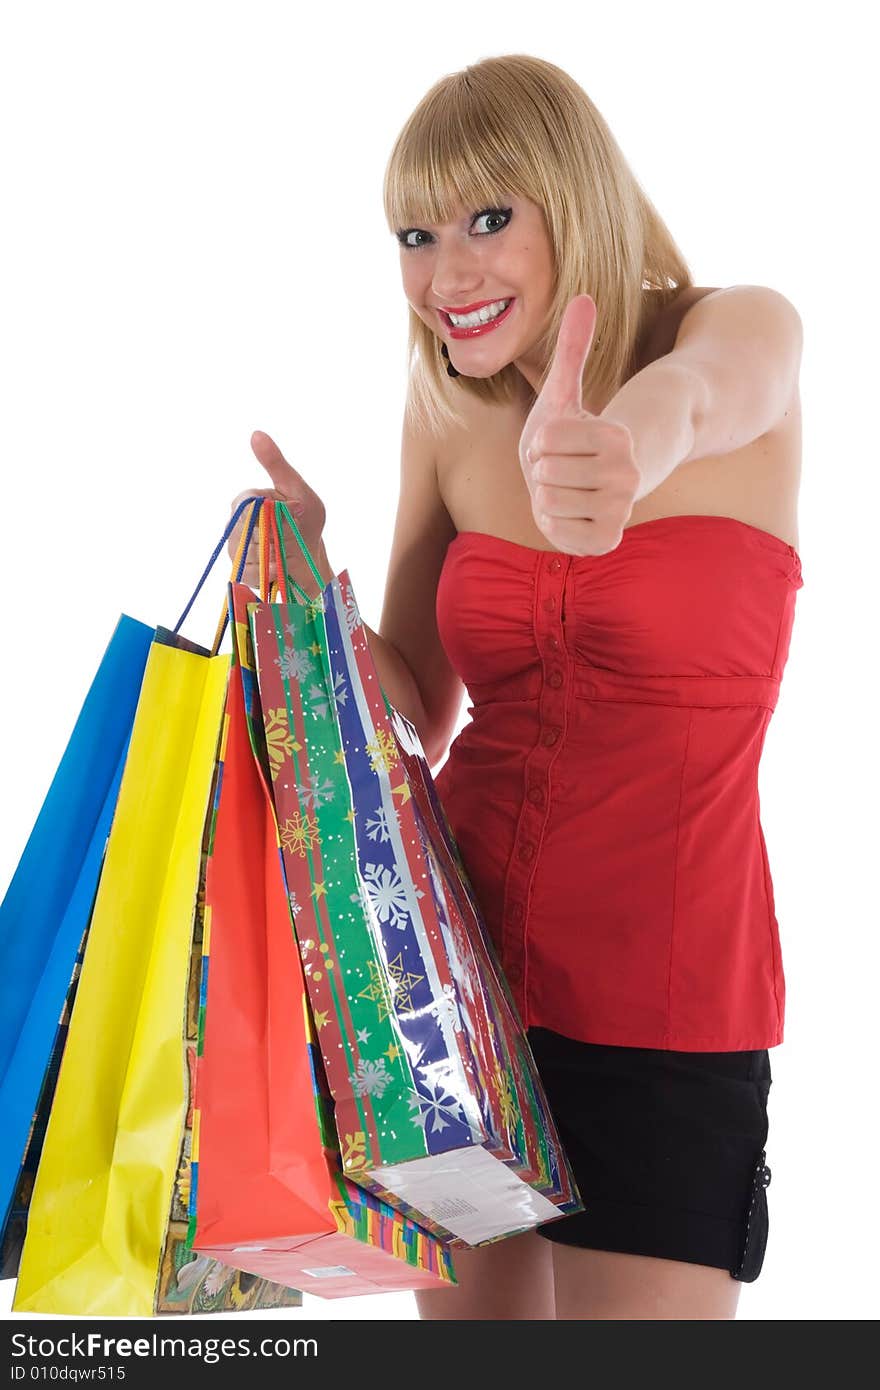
[437, 1102]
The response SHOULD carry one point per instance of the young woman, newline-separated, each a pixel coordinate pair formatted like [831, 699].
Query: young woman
[597, 538]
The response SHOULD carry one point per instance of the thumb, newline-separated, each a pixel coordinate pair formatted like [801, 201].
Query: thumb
[285, 479]
[563, 387]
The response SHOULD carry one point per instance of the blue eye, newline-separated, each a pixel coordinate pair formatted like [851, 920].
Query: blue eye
[412, 231]
[504, 213]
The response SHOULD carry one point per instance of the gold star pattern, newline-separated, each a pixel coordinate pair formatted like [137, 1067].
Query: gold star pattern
[392, 1052]
[280, 743]
[403, 983]
[299, 833]
[402, 791]
[339, 756]
[315, 649]
[353, 1155]
[321, 1019]
[237, 1296]
[505, 1099]
[319, 890]
[383, 751]
[377, 990]
[399, 982]
[349, 815]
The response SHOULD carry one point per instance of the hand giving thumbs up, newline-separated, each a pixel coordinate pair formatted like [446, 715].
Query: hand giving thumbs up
[579, 468]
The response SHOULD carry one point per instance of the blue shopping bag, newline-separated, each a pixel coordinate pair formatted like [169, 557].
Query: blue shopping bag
[13, 1234]
[48, 905]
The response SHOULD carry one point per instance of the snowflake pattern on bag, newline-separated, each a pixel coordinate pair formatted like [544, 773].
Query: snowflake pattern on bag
[295, 665]
[387, 894]
[442, 1106]
[371, 1078]
[320, 699]
[378, 824]
[352, 615]
[426, 1010]
[317, 792]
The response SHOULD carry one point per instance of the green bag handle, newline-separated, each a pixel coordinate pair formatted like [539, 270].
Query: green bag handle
[282, 512]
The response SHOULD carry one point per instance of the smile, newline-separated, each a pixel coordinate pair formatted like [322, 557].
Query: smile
[483, 320]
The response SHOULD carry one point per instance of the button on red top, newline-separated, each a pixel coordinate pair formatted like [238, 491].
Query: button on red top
[633, 905]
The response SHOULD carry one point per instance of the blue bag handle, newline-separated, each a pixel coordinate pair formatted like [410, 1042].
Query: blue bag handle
[255, 503]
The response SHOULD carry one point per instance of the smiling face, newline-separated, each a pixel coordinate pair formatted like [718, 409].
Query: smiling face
[485, 259]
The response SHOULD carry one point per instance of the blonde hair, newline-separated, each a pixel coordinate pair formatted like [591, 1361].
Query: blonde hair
[521, 125]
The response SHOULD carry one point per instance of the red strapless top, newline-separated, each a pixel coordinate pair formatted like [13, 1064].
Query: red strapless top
[604, 795]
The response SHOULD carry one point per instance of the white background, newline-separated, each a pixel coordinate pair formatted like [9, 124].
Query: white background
[194, 247]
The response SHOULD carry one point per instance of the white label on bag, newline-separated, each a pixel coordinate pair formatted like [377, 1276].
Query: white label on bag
[330, 1272]
[470, 1193]
[446, 1209]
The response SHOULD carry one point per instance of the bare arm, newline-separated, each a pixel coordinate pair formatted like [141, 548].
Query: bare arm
[412, 664]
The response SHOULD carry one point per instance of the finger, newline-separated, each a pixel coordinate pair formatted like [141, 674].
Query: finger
[564, 502]
[284, 477]
[245, 516]
[583, 536]
[268, 494]
[251, 573]
[251, 492]
[572, 434]
[234, 539]
[563, 387]
[572, 470]
[252, 553]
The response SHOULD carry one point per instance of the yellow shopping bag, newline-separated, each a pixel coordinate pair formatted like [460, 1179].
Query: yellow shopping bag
[98, 1240]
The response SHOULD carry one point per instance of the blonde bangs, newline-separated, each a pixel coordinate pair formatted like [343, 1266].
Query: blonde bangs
[451, 155]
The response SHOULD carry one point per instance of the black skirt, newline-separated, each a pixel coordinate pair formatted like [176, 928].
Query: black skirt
[668, 1150]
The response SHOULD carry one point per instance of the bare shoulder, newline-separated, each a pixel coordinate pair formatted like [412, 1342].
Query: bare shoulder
[758, 484]
[784, 437]
[663, 329]
[422, 517]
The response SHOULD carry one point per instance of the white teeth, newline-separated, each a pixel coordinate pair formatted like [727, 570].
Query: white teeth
[488, 311]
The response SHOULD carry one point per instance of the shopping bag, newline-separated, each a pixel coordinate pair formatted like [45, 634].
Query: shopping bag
[98, 1239]
[47, 905]
[436, 1095]
[473, 958]
[268, 1191]
[12, 1238]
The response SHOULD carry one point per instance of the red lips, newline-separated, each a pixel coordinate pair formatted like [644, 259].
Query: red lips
[470, 308]
[478, 329]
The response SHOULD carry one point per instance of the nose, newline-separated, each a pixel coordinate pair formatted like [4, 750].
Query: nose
[456, 277]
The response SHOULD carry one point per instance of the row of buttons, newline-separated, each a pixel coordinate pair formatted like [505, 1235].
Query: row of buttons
[535, 808]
